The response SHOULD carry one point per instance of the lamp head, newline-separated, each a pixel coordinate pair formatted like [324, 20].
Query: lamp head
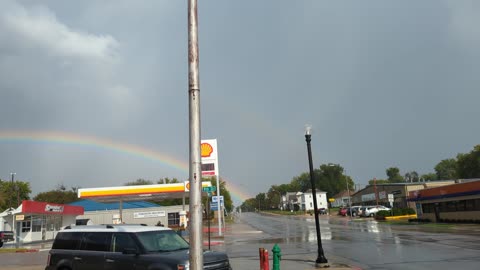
[308, 129]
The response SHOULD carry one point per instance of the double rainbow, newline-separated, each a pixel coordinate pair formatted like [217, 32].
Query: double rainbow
[77, 140]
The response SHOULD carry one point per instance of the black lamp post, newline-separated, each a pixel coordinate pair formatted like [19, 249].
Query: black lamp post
[321, 257]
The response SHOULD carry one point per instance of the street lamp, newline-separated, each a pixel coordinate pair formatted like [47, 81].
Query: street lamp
[321, 257]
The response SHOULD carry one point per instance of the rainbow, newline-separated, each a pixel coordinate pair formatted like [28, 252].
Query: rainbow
[55, 137]
[83, 140]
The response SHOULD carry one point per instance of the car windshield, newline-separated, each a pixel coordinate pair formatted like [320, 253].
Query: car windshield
[162, 241]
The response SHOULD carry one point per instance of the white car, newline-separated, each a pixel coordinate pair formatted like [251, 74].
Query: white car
[370, 211]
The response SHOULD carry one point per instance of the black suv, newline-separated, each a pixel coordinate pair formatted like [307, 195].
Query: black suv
[119, 247]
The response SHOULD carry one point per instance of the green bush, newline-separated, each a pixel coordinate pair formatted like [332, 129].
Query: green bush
[403, 211]
[384, 213]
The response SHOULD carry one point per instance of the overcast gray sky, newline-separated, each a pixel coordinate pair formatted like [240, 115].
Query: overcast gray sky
[94, 93]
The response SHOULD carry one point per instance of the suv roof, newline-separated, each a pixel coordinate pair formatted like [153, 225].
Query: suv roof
[114, 228]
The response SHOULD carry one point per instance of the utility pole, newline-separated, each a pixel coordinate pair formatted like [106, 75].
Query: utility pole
[15, 187]
[195, 168]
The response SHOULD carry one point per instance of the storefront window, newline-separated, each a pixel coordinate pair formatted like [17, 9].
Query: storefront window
[26, 224]
[470, 205]
[37, 223]
[54, 222]
[173, 219]
[428, 208]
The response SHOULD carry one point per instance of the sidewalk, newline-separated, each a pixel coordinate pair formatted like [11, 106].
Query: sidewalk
[231, 232]
[288, 261]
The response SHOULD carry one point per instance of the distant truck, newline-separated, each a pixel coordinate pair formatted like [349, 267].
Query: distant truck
[5, 236]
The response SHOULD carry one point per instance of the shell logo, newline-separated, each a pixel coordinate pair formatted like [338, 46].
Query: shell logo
[187, 186]
[206, 149]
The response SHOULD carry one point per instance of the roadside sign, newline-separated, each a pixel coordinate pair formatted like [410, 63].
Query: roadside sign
[390, 198]
[209, 189]
[331, 200]
[215, 199]
[214, 206]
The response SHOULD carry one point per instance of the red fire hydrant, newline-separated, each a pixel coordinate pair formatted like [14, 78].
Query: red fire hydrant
[264, 263]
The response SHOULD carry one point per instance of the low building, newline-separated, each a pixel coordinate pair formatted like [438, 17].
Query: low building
[305, 200]
[452, 203]
[38, 221]
[378, 194]
[342, 199]
[133, 212]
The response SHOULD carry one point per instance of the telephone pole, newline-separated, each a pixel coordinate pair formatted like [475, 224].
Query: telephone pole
[195, 170]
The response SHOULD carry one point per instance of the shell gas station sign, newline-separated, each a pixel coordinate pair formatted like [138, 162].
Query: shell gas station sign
[209, 154]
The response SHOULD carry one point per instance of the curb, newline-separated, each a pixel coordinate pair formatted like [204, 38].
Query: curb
[26, 251]
[400, 217]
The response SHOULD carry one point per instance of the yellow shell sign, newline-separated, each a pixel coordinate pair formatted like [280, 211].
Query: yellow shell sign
[206, 149]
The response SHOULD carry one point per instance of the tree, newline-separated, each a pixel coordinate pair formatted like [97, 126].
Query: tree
[60, 195]
[394, 176]
[9, 191]
[446, 169]
[139, 182]
[428, 177]
[261, 201]
[249, 205]
[274, 196]
[468, 165]
[412, 177]
[378, 181]
[329, 178]
[167, 180]
[227, 199]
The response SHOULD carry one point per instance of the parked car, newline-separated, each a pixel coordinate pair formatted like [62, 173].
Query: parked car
[357, 210]
[350, 211]
[5, 236]
[125, 247]
[370, 211]
[322, 211]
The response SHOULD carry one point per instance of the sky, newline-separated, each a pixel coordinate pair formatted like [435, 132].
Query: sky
[95, 93]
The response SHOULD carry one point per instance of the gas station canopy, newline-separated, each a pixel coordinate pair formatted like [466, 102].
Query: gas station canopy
[136, 193]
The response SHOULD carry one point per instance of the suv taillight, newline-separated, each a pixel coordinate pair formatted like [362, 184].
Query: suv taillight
[48, 259]
[183, 267]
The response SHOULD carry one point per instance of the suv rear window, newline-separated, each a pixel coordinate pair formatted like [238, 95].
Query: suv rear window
[67, 240]
[96, 241]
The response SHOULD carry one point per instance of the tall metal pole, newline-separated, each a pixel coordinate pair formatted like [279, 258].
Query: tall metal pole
[349, 197]
[219, 206]
[195, 170]
[375, 189]
[15, 187]
[321, 256]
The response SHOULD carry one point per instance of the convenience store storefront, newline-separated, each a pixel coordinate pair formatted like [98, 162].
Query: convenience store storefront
[38, 221]
[453, 203]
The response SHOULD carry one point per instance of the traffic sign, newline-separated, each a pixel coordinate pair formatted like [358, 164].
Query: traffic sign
[390, 198]
[209, 189]
[214, 206]
[215, 199]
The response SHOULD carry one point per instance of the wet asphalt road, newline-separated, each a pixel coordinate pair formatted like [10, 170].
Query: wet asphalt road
[364, 243]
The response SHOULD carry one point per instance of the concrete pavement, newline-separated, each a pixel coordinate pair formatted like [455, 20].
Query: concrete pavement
[232, 230]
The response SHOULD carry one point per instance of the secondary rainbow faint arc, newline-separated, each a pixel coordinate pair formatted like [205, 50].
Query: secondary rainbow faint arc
[83, 140]
[130, 149]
